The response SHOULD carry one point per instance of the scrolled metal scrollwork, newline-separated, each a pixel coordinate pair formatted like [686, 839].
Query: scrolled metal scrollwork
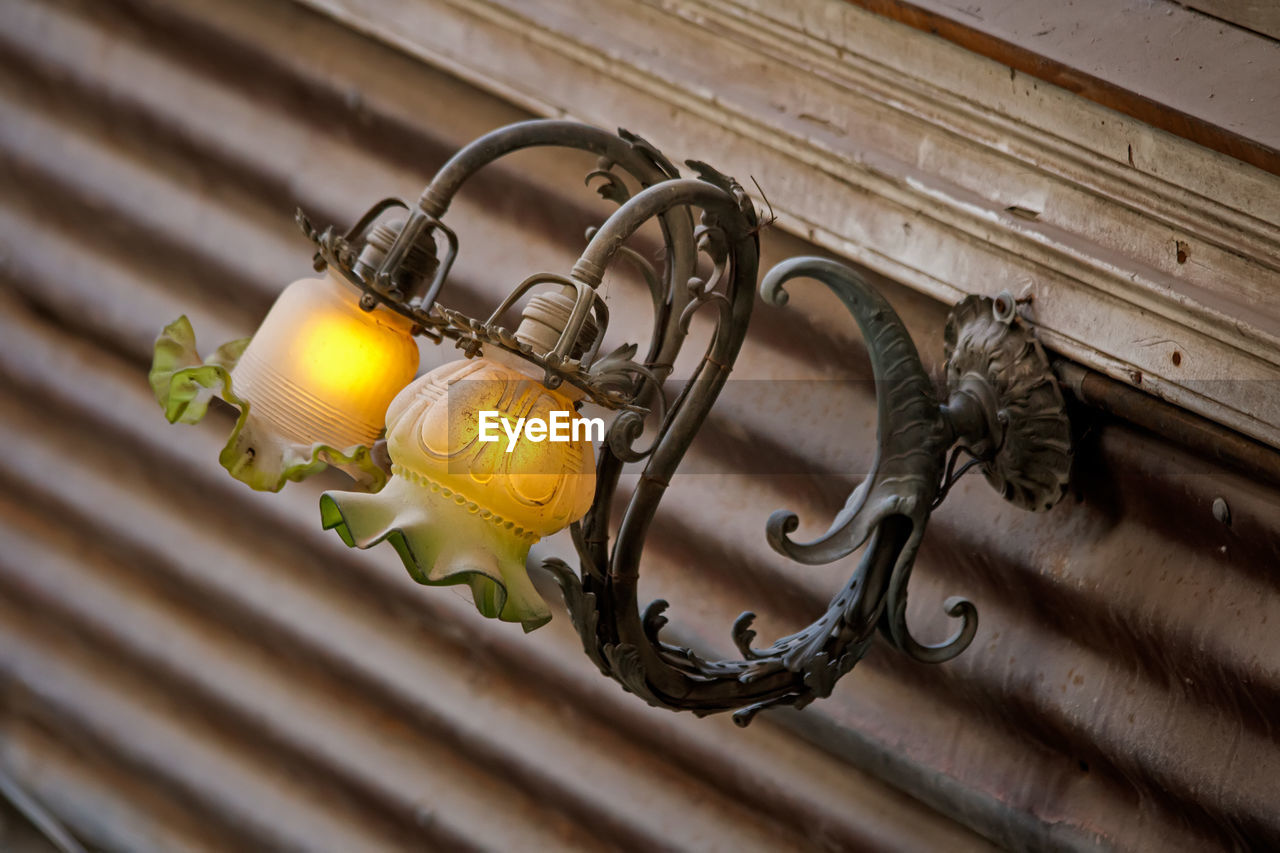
[888, 513]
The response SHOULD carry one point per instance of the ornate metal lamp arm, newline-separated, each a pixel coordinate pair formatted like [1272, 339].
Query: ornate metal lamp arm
[1003, 406]
[913, 436]
[625, 150]
[637, 157]
[728, 235]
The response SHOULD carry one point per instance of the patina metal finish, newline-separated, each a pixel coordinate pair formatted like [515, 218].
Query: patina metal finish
[1003, 409]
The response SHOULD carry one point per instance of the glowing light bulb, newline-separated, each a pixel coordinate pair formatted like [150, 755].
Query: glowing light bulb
[321, 369]
[313, 384]
[462, 509]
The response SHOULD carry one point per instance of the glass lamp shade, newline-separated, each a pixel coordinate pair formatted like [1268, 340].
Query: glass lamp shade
[321, 369]
[313, 384]
[460, 509]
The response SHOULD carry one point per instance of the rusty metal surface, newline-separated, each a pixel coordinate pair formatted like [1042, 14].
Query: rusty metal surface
[187, 665]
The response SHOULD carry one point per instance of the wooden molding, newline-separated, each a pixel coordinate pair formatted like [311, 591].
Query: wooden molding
[1126, 56]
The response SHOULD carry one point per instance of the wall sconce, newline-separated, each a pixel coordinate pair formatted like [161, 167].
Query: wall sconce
[336, 352]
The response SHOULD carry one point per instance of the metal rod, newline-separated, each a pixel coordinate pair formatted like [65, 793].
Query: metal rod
[444, 186]
[1195, 433]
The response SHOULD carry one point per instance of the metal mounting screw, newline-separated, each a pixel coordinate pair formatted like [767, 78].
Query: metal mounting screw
[1221, 511]
[1004, 308]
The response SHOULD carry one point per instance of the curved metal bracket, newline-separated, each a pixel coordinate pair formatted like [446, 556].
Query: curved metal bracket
[1003, 402]
[1003, 408]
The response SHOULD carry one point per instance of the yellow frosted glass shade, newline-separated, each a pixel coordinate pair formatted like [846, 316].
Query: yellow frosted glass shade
[462, 510]
[433, 433]
[322, 370]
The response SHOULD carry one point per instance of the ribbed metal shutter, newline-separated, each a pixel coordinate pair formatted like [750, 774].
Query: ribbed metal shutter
[186, 664]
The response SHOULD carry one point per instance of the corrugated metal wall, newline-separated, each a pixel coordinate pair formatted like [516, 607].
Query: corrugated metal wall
[186, 664]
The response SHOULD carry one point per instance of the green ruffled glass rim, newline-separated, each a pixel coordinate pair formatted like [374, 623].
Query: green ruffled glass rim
[442, 543]
[184, 384]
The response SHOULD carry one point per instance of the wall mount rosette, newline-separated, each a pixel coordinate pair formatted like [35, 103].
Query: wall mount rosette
[993, 356]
